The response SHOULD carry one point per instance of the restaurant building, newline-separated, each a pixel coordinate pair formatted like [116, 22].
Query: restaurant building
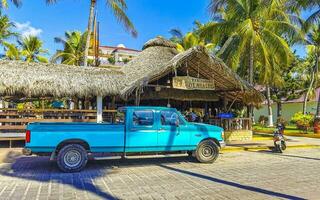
[193, 80]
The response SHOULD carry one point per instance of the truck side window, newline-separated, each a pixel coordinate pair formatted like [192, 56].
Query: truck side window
[170, 118]
[143, 118]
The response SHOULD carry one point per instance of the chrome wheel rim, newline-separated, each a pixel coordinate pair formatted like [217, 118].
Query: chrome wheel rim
[207, 151]
[72, 158]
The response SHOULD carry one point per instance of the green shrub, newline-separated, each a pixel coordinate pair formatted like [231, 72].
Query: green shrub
[303, 122]
[263, 120]
[281, 120]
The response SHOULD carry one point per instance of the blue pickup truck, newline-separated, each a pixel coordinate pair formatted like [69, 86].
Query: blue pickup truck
[137, 130]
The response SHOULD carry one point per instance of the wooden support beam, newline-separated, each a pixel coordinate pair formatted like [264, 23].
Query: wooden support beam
[99, 109]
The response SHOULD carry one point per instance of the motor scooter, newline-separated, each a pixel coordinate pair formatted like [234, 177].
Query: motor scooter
[279, 140]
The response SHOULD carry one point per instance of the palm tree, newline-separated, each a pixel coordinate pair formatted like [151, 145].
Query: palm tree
[5, 29]
[73, 48]
[12, 52]
[4, 3]
[313, 47]
[254, 29]
[32, 50]
[118, 7]
[255, 32]
[309, 4]
[190, 39]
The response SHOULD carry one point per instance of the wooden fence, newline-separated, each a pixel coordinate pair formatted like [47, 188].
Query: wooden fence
[13, 122]
[233, 124]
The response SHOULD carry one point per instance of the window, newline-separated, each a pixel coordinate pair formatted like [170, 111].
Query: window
[170, 118]
[143, 118]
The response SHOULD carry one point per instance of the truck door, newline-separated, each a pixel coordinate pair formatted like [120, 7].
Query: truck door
[142, 132]
[171, 134]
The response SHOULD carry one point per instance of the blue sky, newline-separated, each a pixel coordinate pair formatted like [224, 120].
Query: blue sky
[150, 17]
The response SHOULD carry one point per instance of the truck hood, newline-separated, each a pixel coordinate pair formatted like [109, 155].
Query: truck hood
[207, 126]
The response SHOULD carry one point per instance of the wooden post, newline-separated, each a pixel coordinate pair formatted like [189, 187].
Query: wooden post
[1, 106]
[137, 100]
[99, 109]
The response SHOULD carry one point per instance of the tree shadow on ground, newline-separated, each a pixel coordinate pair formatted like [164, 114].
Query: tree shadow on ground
[271, 152]
[233, 184]
[40, 169]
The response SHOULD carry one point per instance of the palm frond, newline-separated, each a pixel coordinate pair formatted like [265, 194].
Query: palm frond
[118, 10]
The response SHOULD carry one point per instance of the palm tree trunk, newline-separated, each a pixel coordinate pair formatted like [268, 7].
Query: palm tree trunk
[309, 90]
[270, 118]
[89, 30]
[318, 105]
[251, 62]
[279, 108]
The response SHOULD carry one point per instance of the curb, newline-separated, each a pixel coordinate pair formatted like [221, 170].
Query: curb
[316, 136]
[235, 149]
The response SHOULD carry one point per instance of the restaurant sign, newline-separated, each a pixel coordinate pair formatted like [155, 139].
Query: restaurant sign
[191, 83]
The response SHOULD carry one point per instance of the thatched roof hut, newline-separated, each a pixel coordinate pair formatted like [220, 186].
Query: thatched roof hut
[153, 60]
[158, 59]
[19, 78]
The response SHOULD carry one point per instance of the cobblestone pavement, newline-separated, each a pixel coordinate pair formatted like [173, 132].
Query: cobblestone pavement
[235, 175]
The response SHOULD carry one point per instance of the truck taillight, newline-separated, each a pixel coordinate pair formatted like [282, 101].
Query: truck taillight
[28, 136]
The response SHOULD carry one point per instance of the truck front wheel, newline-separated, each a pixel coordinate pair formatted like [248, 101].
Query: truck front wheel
[207, 151]
[72, 158]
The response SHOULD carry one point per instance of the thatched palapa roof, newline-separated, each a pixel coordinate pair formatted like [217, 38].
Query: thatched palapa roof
[151, 61]
[158, 58]
[39, 79]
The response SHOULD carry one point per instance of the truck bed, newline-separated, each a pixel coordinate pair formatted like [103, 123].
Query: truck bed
[103, 137]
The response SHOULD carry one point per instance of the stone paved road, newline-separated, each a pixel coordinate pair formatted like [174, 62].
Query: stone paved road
[236, 175]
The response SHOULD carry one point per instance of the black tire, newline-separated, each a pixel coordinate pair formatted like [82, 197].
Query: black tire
[277, 148]
[283, 145]
[207, 151]
[72, 158]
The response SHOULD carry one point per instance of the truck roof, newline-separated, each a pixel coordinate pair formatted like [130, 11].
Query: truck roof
[146, 107]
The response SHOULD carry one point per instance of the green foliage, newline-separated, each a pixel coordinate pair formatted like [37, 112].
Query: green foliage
[263, 120]
[32, 49]
[73, 48]
[126, 60]
[190, 39]
[281, 120]
[12, 52]
[253, 24]
[4, 3]
[6, 27]
[303, 122]
[111, 60]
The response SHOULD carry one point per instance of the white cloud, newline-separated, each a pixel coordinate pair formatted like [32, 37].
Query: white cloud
[27, 30]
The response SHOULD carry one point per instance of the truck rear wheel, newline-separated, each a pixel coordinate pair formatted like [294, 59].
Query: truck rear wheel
[72, 158]
[207, 151]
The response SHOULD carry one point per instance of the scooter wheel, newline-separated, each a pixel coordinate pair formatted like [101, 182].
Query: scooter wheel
[283, 145]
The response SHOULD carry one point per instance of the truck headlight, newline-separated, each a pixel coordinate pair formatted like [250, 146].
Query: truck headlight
[222, 134]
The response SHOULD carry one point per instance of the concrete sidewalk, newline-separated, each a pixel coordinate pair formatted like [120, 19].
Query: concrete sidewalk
[292, 142]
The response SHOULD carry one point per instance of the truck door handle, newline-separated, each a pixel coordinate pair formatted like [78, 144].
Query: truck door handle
[161, 130]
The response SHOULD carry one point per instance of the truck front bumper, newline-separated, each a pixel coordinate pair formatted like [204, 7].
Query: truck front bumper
[26, 152]
[222, 144]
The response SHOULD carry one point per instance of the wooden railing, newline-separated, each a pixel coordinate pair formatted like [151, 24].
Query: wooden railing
[232, 124]
[13, 122]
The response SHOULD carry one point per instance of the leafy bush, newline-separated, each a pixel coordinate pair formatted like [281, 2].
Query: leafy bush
[126, 60]
[303, 122]
[281, 120]
[263, 120]
[111, 60]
